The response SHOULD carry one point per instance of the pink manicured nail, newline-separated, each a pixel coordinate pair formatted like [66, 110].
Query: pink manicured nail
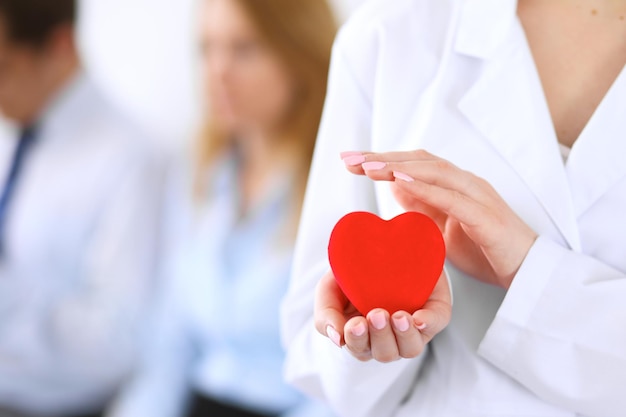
[333, 335]
[421, 326]
[374, 166]
[402, 176]
[358, 330]
[344, 155]
[354, 160]
[378, 320]
[401, 323]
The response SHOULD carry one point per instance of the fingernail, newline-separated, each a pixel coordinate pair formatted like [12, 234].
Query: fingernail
[402, 176]
[344, 155]
[379, 321]
[358, 330]
[354, 160]
[374, 166]
[333, 335]
[421, 326]
[401, 323]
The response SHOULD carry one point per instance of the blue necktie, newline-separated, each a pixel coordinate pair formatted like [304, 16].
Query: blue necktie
[25, 142]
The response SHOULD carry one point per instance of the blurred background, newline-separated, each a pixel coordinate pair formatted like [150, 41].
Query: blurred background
[118, 261]
[158, 37]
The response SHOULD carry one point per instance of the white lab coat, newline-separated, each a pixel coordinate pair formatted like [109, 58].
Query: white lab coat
[80, 245]
[456, 77]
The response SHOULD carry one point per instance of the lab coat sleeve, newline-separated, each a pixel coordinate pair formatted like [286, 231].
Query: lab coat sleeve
[105, 312]
[567, 310]
[313, 363]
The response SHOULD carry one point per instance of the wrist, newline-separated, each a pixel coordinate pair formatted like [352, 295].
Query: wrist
[506, 281]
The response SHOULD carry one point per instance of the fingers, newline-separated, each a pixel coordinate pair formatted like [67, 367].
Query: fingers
[436, 172]
[430, 321]
[330, 303]
[356, 333]
[433, 181]
[416, 165]
[436, 313]
[404, 335]
[354, 160]
[425, 183]
[385, 339]
[454, 203]
[408, 337]
[440, 185]
[382, 338]
[416, 155]
[379, 336]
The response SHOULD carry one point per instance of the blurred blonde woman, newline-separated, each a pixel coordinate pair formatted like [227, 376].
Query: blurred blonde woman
[216, 348]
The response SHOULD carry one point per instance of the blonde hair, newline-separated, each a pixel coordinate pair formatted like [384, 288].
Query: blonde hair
[301, 33]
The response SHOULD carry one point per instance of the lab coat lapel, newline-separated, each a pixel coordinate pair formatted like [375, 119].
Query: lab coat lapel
[596, 162]
[506, 104]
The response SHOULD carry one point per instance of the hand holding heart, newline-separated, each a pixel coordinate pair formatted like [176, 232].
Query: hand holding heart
[380, 336]
[484, 237]
[381, 267]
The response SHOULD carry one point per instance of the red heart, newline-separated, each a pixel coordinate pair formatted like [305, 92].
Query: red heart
[392, 264]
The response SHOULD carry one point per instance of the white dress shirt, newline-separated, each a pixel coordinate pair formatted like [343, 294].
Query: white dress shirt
[457, 78]
[217, 328]
[79, 251]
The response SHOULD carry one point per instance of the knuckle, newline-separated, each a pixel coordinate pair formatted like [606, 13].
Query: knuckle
[457, 197]
[387, 357]
[480, 181]
[485, 184]
[443, 165]
[480, 184]
[362, 354]
[412, 351]
[358, 348]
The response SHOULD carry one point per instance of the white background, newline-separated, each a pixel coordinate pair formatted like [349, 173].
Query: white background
[142, 52]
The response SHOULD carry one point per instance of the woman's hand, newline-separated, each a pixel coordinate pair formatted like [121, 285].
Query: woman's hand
[484, 237]
[379, 336]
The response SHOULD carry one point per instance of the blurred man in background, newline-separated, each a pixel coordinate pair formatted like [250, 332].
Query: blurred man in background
[79, 192]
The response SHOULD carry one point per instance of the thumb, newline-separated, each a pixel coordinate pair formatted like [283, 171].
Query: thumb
[330, 303]
[437, 312]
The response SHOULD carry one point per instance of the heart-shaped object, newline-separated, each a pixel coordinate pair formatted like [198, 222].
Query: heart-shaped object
[392, 264]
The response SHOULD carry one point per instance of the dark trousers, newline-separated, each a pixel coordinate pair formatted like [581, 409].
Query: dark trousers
[206, 407]
[8, 413]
